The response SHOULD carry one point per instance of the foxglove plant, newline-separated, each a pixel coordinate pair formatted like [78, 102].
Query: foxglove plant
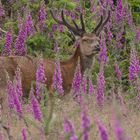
[91, 87]
[68, 127]
[85, 124]
[109, 32]
[76, 84]
[57, 79]
[73, 16]
[29, 25]
[17, 103]
[61, 28]
[69, 130]
[40, 78]
[35, 106]
[42, 17]
[118, 72]
[119, 132]
[119, 10]
[102, 130]
[127, 15]
[84, 84]
[10, 96]
[23, 134]
[100, 91]
[134, 68]
[103, 58]
[18, 83]
[20, 41]
[74, 137]
[8, 44]
[119, 37]
[40, 73]
[54, 27]
[13, 99]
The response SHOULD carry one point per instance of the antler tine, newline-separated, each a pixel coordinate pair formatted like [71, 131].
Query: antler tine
[82, 22]
[104, 23]
[100, 23]
[74, 30]
[58, 21]
[75, 24]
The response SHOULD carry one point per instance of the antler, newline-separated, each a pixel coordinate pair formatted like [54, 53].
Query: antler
[76, 30]
[101, 24]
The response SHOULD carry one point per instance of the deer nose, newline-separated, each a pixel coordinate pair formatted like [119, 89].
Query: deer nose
[97, 48]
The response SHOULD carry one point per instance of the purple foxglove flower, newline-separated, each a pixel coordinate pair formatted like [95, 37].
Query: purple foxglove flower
[79, 9]
[61, 28]
[20, 41]
[10, 92]
[13, 99]
[42, 17]
[119, 132]
[24, 135]
[18, 83]
[40, 88]
[8, 44]
[74, 137]
[73, 16]
[130, 19]
[91, 87]
[54, 27]
[103, 58]
[118, 72]
[109, 33]
[119, 10]
[85, 125]
[2, 12]
[77, 80]
[69, 130]
[35, 106]
[40, 73]
[68, 127]
[29, 25]
[127, 14]
[84, 84]
[17, 103]
[102, 130]
[57, 79]
[100, 91]
[134, 68]
[42, 14]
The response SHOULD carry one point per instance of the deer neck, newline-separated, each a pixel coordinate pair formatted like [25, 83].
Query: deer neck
[85, 61]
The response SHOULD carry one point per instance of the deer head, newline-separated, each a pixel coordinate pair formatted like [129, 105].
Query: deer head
[88, 42]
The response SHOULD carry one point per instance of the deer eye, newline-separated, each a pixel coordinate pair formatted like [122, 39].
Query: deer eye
[84, 40]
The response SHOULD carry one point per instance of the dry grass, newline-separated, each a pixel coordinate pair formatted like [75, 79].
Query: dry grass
[67, 107]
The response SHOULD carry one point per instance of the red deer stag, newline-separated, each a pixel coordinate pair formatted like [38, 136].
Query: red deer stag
[88, 47]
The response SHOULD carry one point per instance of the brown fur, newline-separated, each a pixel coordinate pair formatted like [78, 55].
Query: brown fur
[28, 66]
